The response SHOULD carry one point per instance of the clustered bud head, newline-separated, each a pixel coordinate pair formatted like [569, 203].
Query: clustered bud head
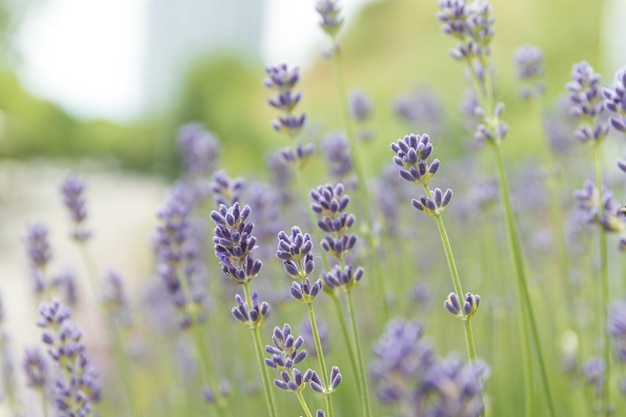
[585, 103]
[615, 101]
[529, 62]
[251, 316]
[411, 155]
[465, 311]
[435, 205]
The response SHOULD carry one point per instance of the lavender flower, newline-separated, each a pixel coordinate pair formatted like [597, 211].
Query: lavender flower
[251, 315]
[586, 103]
[79, 386]
[615, 101]
[39, 253]
[178, 264]
[337, 151]
[435, 205]
[452, 388]
[283, 80]
[411, 154]
[234, 243]
[401, 357]
[35, 368]
[115, 298]
[486, 131]
[73, 189]
[331, 21]
[66, 280]
[469, 22]
[529, 62]
[299, 156]
[361, 106]
[467, 310]
[226, 191]
[285, 353]
[199, 149]
[609, 215]
[421, 109]
[617, 329]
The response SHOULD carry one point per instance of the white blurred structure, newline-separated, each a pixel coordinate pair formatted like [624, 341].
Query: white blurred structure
[178, 32]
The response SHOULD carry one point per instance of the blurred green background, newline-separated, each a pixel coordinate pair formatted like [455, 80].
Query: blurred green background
[391, 47]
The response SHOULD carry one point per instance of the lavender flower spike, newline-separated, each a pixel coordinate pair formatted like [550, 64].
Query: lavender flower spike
[329, 11]
[72, 189]
[199, 149]
[615, 101]
[78, 386]
[586, 103]
[411, 155]
[529, 62]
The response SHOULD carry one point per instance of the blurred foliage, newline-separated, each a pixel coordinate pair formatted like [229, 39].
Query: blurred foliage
[391, 47]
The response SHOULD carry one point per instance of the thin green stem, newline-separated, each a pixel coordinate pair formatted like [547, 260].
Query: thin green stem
[305, 407]
[528, 315]
[321, 360]
[362, 184]
[604, 277]
[346, 336]
[469, 335]
[258, 347]
[44, 403]
[365, 396]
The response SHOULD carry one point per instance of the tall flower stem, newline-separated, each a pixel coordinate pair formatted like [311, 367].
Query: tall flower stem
[365, 396]
[44, 403]
[469, 334]
[302, 402]
[527, 312]
[320, 358]
[362, 185]
[258, 347]
[347, 338]
[604, 277]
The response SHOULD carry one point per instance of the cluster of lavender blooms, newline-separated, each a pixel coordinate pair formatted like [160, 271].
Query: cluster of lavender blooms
[283, 79]
[529, 63]
[78, 387]
[39, 253]
[72, 189]
[177, 256]
[586, 103]
[407, 373]
[421, 109]
[337, 152]
[361, 109]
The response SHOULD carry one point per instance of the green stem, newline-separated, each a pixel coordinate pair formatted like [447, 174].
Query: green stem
[322, 362]
[44, 403]
[528, 315]
[362, 185]
[346, 336]
[258, 346]
[305, 407]
[365, 396]
[469, 334]
[604, 276]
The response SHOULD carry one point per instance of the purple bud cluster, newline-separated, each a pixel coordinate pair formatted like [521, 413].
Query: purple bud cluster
[251, 315]
[199, 149]
[337, 152]
[585, 103]
[115, 300]
[471, 23]
[299, 156]
[285, 354]
[177, 255]
[78, 387]
[467, 310]
[234, 243]
[295, 252]
[35, 369]
[405, 372]
[38, 252]
[608, 214]
[434, 205]
[421, 109]
[329, 11]
[485, 131]
[73, 189]
[283, 80]
[617, 329]
[411, 155]
[361, 108]
[615, 101]
[529, 62]
[226, 191]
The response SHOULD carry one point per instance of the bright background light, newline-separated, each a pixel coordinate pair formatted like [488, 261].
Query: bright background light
[87, 55]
